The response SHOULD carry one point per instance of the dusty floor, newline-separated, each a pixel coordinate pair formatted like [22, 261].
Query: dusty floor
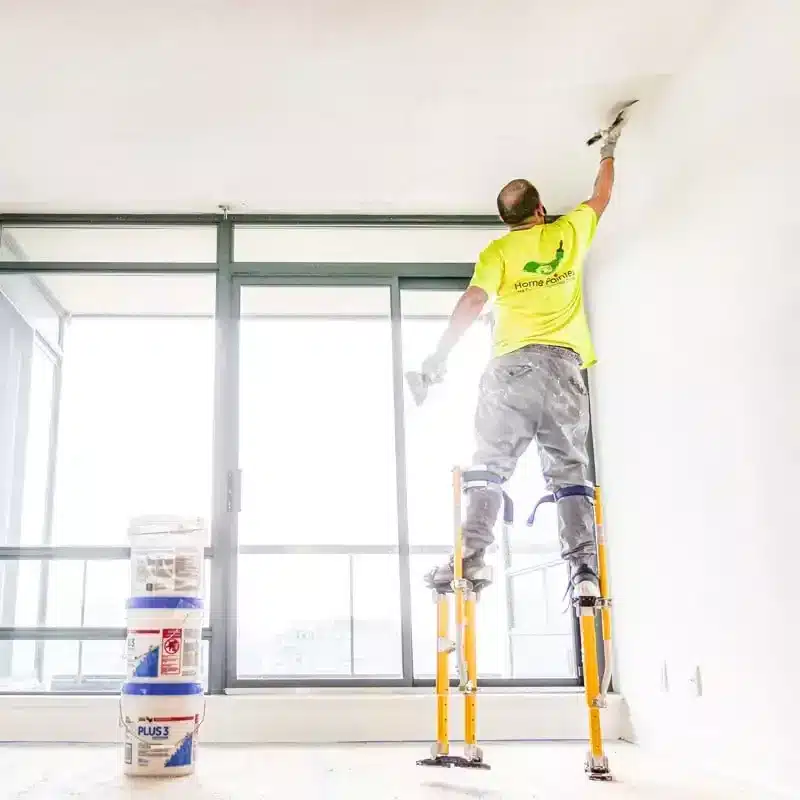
[542, 771]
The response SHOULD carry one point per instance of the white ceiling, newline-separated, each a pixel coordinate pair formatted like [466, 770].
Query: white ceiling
[319, 106]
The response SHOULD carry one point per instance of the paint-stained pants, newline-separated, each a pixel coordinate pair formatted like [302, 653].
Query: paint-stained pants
[536, 394]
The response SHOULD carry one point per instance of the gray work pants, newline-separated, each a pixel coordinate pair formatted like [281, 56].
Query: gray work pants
[536, 393]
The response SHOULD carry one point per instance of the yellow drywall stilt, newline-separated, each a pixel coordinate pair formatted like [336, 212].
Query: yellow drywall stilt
[443, 649]
[465, 598]
[586, 608]
[471, 749]
[605, 594]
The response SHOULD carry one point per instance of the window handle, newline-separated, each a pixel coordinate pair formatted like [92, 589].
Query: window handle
[234, 491]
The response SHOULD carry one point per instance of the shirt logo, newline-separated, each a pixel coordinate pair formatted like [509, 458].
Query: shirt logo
[549, 267]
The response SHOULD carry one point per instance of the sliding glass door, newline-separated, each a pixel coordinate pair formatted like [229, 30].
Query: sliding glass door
[318, 593]
[343, 496]
[524, 634]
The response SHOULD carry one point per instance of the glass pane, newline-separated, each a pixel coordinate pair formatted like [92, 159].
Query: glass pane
[106, 593]
[9, 251]
[354, 245]
[537, 544]
[316, 426]
[107, 590]
[30, 298]
[67, 666]
[64, 594]
[19, 593]
[307, 616]
[542, 638]
[16, 353]
[128, 243]
[376, 616]
[438, 433]
[135, 417]
[492, 624]
[165, 295]
[540, 644]
[37, 455]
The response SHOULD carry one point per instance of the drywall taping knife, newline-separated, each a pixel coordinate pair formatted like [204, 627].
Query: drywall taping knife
[618, 120]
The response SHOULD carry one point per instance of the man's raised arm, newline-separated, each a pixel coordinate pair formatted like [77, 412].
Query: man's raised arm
[604, 182]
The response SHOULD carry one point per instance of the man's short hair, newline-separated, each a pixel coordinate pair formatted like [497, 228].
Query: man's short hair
[518, 200]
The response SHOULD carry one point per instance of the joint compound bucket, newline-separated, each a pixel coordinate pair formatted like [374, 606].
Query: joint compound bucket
[161, 723]
[164, 638]
[167, 556]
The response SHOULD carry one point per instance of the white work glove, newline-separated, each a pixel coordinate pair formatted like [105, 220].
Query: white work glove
[611, 136]
[610, 142]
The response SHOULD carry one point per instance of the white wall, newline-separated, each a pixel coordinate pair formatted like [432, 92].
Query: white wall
[695, 305]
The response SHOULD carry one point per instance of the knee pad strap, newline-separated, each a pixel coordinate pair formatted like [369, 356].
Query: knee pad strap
[576, 490]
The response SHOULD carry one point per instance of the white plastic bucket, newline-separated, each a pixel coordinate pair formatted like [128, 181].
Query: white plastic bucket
[164, 638]
[161, 721]
[167, 556]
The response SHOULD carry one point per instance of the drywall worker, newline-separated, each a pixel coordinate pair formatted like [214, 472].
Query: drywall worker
[533, 388]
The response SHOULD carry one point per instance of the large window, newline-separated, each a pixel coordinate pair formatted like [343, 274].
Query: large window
[268, 399]
[111, 421]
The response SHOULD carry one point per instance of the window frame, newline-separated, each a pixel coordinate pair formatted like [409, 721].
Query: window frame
[231, 276]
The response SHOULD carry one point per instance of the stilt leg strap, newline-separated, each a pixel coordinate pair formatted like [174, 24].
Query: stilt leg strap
[482, 478]
[578, 490]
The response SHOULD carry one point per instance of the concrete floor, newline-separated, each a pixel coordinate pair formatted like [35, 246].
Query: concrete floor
[540, 771]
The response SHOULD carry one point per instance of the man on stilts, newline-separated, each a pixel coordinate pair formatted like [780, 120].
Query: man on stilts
[532, 389]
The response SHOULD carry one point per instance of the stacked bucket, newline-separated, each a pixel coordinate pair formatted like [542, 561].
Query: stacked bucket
[163, 700]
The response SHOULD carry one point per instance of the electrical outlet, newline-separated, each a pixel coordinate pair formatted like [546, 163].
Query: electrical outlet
[697, 681]
[664, 678]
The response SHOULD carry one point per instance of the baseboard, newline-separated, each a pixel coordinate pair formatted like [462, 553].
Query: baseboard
[319, 718]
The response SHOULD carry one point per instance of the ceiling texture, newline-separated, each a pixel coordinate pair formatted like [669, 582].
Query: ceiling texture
[316, 106]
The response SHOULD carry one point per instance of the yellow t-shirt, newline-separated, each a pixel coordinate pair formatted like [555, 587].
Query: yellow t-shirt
[535, 277]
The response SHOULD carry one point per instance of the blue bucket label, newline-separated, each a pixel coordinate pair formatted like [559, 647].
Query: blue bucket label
[182, 757]
[146, 666]
[160, 742]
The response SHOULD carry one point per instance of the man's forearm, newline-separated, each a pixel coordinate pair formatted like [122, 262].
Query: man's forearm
[604, 182]
[467, 310]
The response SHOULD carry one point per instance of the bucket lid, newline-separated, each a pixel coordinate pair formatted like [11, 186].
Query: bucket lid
[162, 689]
[164, 603]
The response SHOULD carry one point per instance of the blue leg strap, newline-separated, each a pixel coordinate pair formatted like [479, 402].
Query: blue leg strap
[508, 510]
[485, 477]
[559, 494]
